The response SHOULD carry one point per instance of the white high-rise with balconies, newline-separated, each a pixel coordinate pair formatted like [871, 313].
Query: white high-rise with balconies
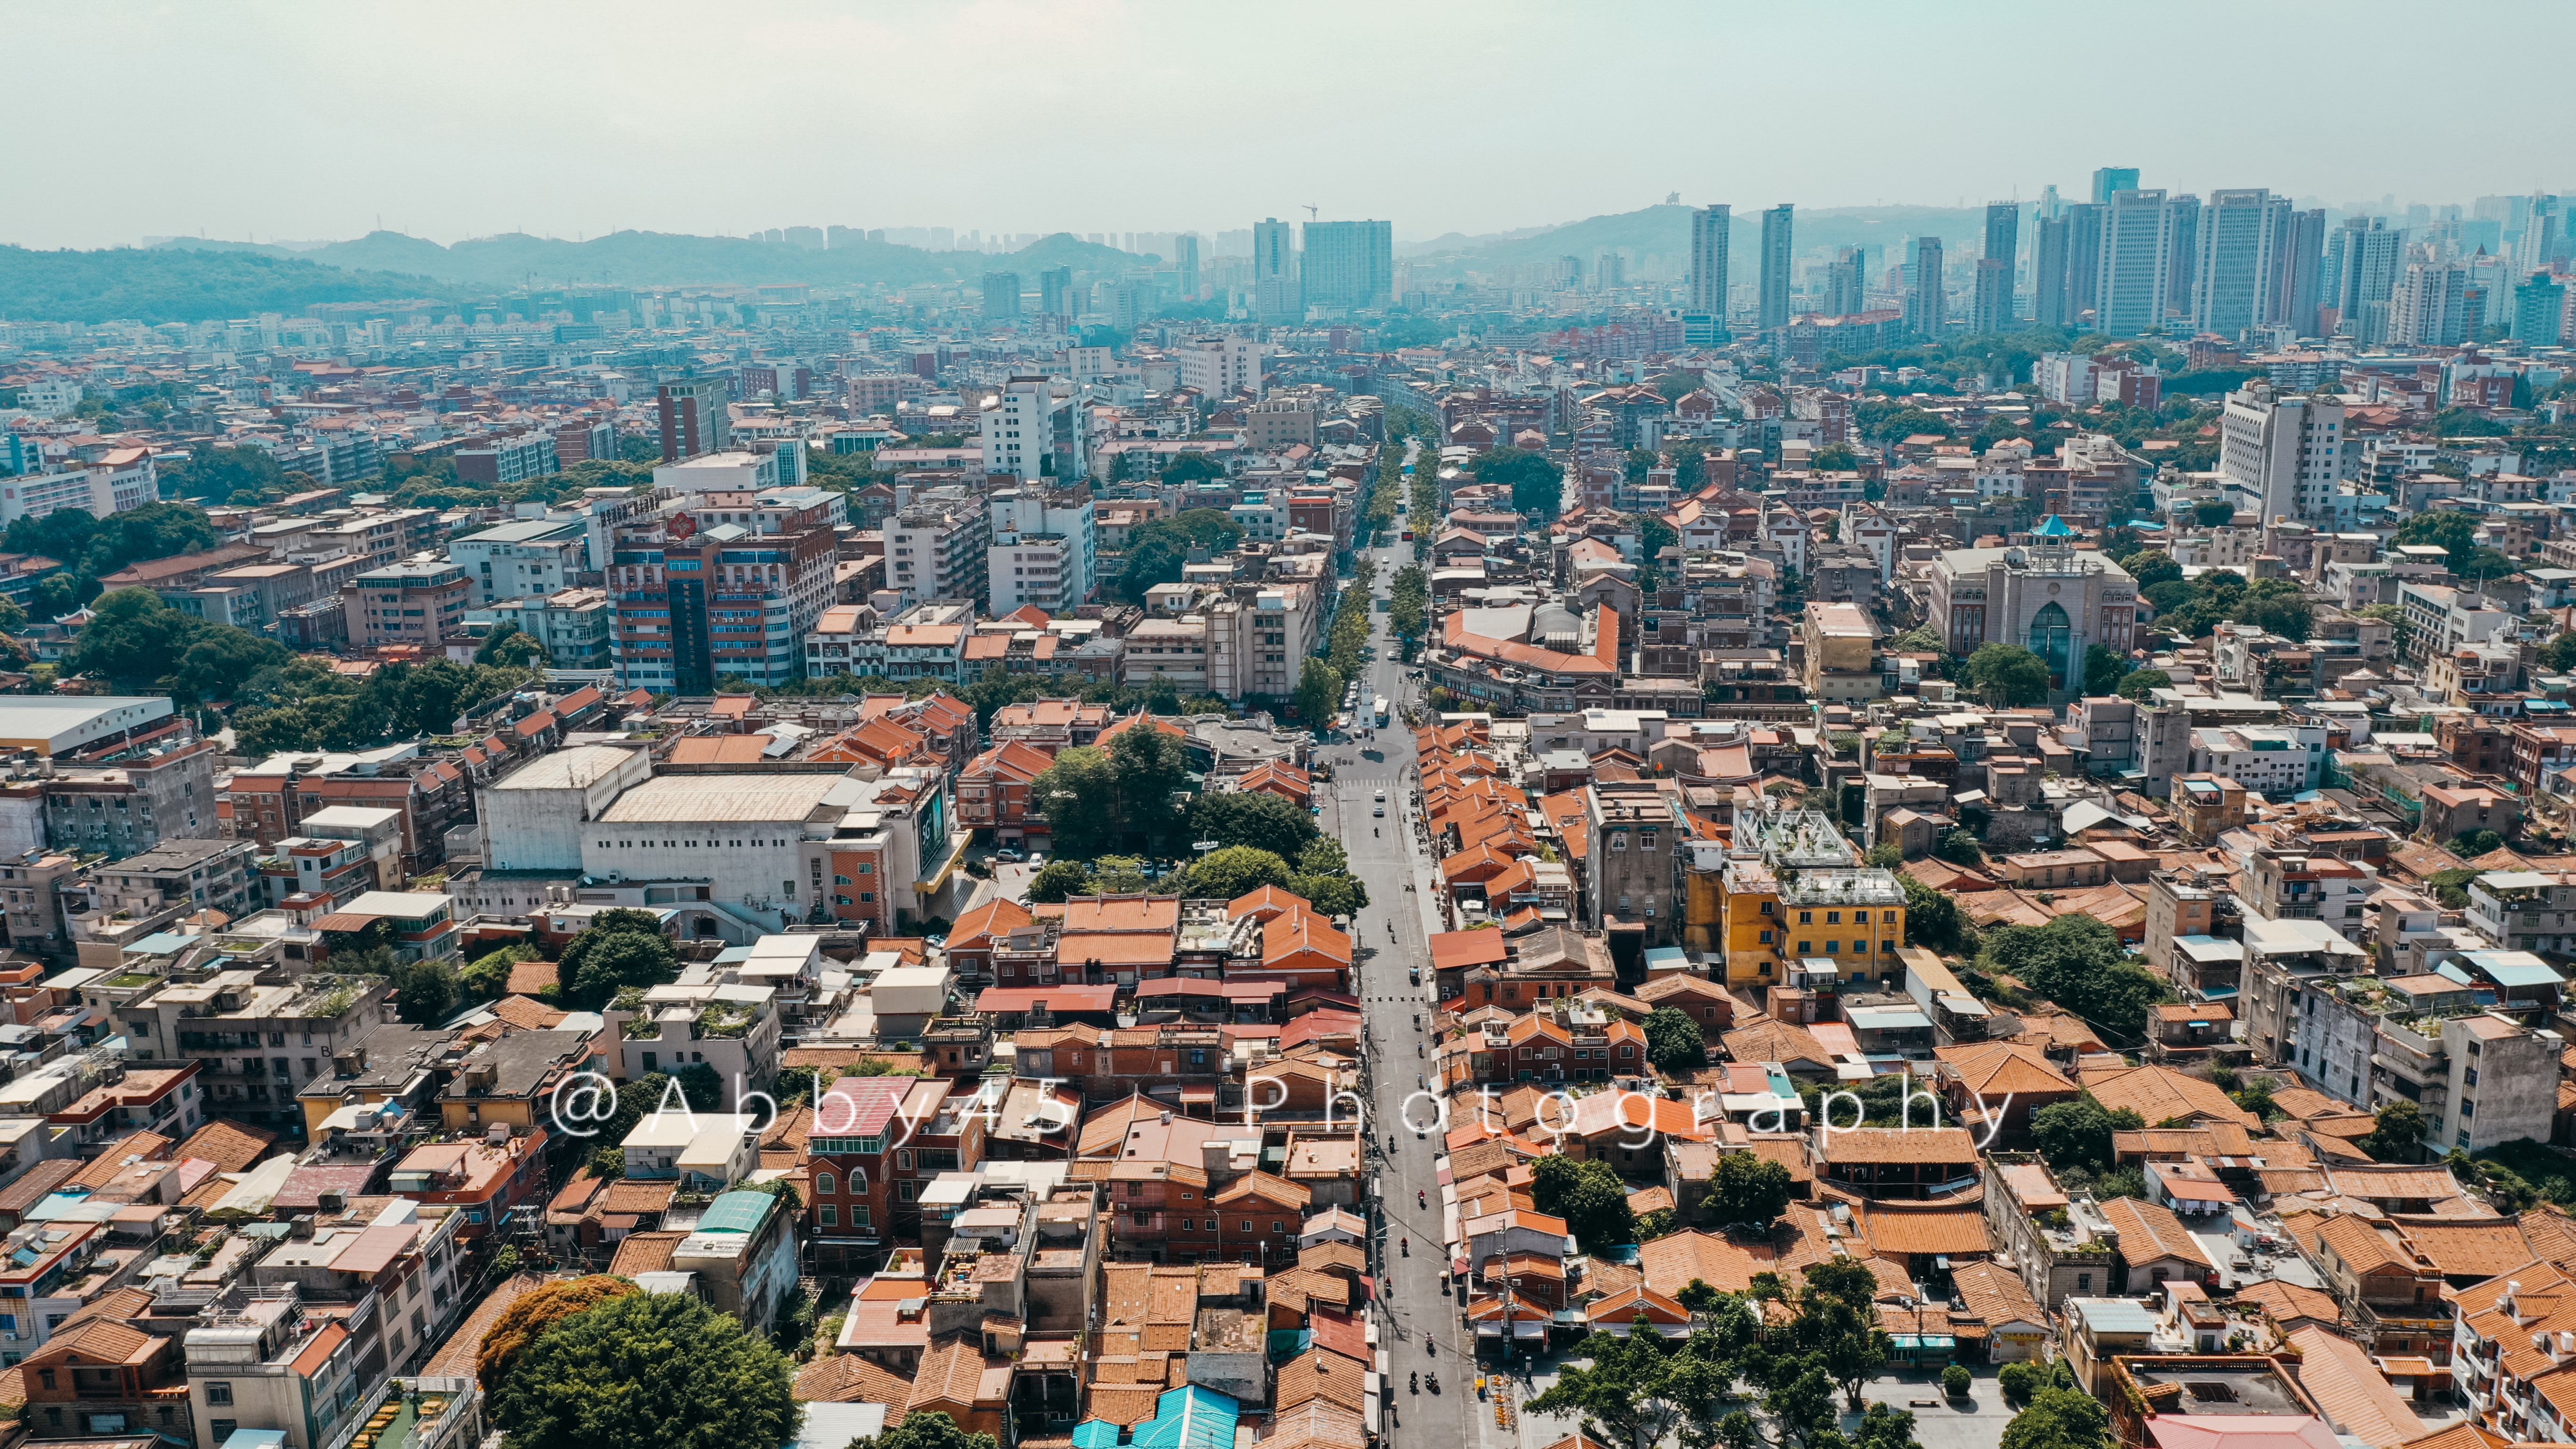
[2281, 456]
[1044, 551]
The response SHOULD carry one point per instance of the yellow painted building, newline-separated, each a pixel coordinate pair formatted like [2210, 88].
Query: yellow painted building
[1794, 890]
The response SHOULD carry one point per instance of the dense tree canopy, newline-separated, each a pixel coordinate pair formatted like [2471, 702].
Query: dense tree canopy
[1536, 481]
[2078, 962]
[1156, 549]
[649, 1368]
[2008, 676]
[1589, 1196]
[620, 948]
[529, 1317]
[1748, 1190]
[1674, 1042]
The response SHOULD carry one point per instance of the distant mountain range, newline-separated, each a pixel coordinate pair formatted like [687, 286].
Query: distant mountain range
[186, 279]
[666, 259]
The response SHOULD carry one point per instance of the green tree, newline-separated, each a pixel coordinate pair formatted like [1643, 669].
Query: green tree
[1156, 549]
[2014, 1379]
[2008, 675]
[2471, 844]
[927, 1429]
[2458, 534]
[2137, 684]
[512, 647]
[533, 1314]
[132, 638]
[1319, 694]
[1748, 1190]
[1803, 1403]
[1537, 483]
[1192, 467]
[1078, 795]
[1057, 879]
[1150, 766]
[1324, 878]
[425, 992]
[1931, 918]
[2559, 655]
[2103, 670]
[1654, 535]
[650, 1368]
[2397, 1135]
[218, 660]
[1674, 1042]
[2151, 566]
[1959, 848]
[1955, 1380]
[1254, 818]
[2078, 1133]
[618, 949]
[2213, 513]
[2059, 1418]
[2078, 962]
[1237, 870]
[488, 975]
[1589, 1196]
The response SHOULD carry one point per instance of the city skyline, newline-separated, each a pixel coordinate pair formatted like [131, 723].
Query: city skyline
[448, 139]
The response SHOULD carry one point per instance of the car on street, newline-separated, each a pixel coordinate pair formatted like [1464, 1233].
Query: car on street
[1006, 853]
[1381, 810]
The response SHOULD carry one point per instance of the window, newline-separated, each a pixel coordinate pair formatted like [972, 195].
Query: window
[1806, 918]
[823, 1184]
[828, 1216]
[1247, 1225]
[1833, 918]
[218, 1392]
[1806, 948]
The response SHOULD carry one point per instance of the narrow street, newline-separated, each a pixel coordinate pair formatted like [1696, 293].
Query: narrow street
[1423, 1333]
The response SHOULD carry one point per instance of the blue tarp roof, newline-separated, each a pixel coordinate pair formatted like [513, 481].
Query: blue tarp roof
[1189, 1418]
[736, 1212]
[1095, 1434]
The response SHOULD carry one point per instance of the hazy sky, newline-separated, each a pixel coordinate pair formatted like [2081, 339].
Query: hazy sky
[453, 120]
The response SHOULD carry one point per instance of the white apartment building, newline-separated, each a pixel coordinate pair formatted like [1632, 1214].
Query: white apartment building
[1258, 637]
[530, 558]
[1173, 649]
[1044, 552]
[2281, 456]
[49, 397]
[935, 549]
[1029, 432]
[120, 479]
[2272, 760]
[728, 471]
[1220, 367]
[2065, 377]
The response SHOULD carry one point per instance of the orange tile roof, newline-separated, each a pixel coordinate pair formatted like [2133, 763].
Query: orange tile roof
[2148, 1232]
[2353, 1395]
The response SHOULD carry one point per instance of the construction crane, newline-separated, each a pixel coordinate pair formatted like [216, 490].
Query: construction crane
[1313, 211]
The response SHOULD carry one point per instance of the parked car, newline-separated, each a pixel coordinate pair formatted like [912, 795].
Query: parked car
[1006, 853]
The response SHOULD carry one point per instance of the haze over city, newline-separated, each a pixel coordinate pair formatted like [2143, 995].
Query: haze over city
[1028, 117]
